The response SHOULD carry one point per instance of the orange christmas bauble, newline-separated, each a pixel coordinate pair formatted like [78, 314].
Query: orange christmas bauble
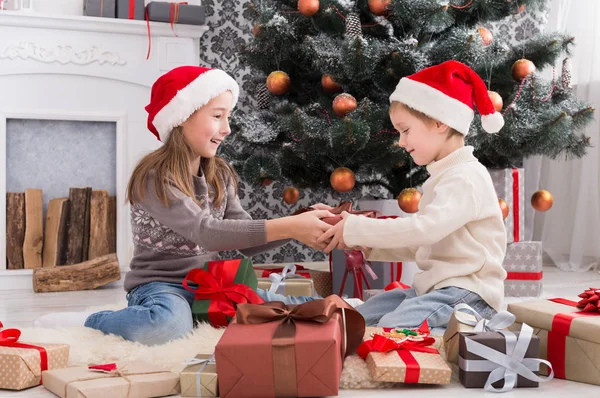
[408, 200]
[329, 85]
[266, 182]
[278, 82]
[343, 104]
[486, 36]
[522, 68]
[542, 200]
[503, 207]
[379, 7]
[291, 195]
[521, 8]
[256, 30]
[496, 100]
[342, 179]
[308, 7]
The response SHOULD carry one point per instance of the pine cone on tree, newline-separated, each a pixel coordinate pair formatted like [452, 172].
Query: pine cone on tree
[263, 96]
[590, 299]
[566, 73]
[353, 27]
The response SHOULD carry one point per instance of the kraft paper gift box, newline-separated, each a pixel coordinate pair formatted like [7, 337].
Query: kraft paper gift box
[321, 279]
[474, 370]
[406, 362]
[21, 363]
[510, 186]
[274, 350]
[523, 263]
[134, 379]
[199, 378]
[569, 337]
[290, 287]
[182, 13]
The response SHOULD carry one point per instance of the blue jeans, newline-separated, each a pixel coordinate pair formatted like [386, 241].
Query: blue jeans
[403, 308]
[158, 312]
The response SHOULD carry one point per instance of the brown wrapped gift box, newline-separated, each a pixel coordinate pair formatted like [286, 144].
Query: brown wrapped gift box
[390, 367]
[206, 381]
[274, 350]
[20, 368]
[497, 342]
[582, 345]
[137, 380]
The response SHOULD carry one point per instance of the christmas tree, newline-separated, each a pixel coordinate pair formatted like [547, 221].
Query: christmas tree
[324, 70]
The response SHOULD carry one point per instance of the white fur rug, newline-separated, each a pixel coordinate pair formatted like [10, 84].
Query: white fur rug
[91, 346]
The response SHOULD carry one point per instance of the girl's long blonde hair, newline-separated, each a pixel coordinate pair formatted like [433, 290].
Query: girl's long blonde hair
[171, 166]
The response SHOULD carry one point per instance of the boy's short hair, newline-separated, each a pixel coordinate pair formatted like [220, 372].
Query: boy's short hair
[423, 117]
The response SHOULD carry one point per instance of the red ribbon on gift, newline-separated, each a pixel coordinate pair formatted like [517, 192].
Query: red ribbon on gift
[217, 285]
[396, 285]
[10, 338]
[524, 276]
[516, 205]
[403, 349]
[269, 271]
[132, 9]
[557, 336]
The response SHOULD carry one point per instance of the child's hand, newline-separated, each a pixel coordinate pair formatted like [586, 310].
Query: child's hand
[335, 235]
[308, 227]
[321, 206]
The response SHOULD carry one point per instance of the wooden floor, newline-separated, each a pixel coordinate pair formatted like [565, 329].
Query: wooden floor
[19, 308]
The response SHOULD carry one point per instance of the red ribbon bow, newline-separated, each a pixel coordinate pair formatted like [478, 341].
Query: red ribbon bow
[403, 349]
[10, 338]
[222, 294]
[590, 299]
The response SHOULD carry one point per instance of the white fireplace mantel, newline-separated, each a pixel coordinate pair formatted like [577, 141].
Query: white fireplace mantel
[86, 68]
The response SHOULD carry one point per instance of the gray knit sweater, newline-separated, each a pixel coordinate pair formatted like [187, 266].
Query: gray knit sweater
[170, 241]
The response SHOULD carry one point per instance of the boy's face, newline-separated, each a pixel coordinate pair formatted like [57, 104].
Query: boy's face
[423, 140]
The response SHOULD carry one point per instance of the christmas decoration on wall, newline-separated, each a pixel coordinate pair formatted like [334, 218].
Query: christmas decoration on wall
[291, 195]
[408, 200]
[329, 85]
[522, 68]
[342, 179]
[503, 208]
[343, 104]
[278, 82]
[542, 200]
[308, 7]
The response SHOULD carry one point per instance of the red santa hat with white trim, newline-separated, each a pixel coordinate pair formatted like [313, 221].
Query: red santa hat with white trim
[177, 94]
[448, 92]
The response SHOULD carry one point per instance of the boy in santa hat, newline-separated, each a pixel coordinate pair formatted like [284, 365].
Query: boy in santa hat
[457, 238]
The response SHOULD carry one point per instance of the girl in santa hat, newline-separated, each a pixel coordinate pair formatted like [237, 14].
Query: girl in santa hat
[457, 238]
[185, 209]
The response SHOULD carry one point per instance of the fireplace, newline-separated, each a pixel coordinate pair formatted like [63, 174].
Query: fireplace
[81, 74]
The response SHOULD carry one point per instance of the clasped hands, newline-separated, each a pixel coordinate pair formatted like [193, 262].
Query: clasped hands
[326, 237]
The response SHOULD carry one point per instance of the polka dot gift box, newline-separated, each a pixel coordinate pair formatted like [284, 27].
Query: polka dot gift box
[21, 364]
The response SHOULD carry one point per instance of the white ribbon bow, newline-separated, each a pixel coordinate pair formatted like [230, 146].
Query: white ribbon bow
[501, 320]
[506, 366]
[289, 272]
[204, 362]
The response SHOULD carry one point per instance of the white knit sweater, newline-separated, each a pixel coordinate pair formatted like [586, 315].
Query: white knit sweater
[457, 238]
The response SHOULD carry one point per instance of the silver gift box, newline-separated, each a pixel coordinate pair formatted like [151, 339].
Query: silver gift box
[523, 259]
